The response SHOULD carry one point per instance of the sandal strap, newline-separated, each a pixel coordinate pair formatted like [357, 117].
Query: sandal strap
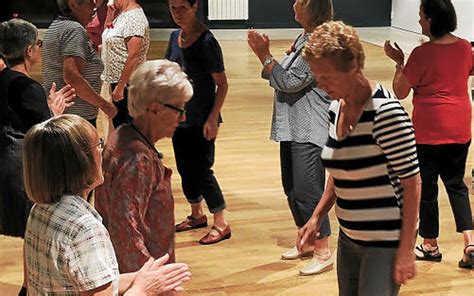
[220, 231]
[465, 249]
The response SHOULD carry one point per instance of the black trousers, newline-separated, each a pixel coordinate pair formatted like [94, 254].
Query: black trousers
[122, 108]
[194, 159]
[449, 162]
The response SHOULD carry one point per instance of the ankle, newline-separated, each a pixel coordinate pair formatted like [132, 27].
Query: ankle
[322, 254]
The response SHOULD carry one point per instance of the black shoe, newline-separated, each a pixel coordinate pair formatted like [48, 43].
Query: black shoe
[469, 263]
[432, 255]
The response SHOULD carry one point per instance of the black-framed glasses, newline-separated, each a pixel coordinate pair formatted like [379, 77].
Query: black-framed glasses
[181, 111]
[101, 144]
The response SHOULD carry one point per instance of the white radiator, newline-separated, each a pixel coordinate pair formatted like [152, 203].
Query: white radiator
[228, 10]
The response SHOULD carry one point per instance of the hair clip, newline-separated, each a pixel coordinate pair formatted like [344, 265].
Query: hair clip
[15, 15]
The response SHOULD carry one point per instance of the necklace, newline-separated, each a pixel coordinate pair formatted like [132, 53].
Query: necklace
[160, 155]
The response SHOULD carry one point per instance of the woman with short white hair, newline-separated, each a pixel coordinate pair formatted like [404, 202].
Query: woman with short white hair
[136, 200]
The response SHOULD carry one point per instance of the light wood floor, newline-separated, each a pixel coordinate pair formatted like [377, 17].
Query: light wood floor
[247, 166]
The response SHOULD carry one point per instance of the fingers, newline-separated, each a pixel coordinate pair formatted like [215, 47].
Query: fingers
[398, 47]
[53, 88]
[160, 261]
[147, 266]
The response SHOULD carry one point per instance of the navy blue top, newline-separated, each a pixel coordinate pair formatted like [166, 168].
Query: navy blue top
[198, 61]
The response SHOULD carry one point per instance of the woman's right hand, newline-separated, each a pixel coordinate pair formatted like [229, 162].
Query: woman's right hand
[155, 277]
[308, 233]
[259, 43]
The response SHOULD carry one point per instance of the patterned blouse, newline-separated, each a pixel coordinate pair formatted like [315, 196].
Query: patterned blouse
[300, 108]
[114, 47]
[135, 200]
[68, 249]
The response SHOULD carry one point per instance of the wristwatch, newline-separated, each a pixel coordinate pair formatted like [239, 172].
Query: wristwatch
[268, 60]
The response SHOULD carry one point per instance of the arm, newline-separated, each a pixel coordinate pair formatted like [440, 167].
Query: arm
[212, 123]
[401, 85]
[134, 46]
[405, 258]
[314, 223]
[72, 69]
[290, 80]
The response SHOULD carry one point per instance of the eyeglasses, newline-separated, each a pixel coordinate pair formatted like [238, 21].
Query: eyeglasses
[39, 42]
[101, 144]
[181, 111]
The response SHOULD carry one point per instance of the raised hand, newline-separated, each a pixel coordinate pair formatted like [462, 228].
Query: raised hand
[394, 53]
[259, 43]
[60, 100]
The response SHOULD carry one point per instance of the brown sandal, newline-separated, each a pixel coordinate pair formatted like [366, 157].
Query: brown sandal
[469, 264]
[191, 223]
[210, 239]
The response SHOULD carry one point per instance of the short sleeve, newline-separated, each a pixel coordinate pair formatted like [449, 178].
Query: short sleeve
[394, 133]
[136, 25]
[415, 67]
[213, 55]
[91, 257]
[75, 42]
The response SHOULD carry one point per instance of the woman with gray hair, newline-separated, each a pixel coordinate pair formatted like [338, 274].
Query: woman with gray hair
[135, 200]
[23, 103]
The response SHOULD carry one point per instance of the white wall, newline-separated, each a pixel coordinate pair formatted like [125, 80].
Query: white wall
[405, 16]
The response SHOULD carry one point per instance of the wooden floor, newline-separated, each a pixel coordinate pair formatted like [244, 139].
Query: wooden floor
[247, 167]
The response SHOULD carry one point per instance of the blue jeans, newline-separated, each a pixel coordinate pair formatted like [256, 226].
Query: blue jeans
[303, 179]
[364, 271]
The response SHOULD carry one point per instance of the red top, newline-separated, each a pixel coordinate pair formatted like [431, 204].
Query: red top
[135, 201]
[438, 74]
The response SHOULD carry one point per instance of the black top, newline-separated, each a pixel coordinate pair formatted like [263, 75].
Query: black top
[198, 61]
[23, 102]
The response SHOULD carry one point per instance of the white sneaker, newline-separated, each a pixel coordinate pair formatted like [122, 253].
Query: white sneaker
[316, 266]
[294, 254]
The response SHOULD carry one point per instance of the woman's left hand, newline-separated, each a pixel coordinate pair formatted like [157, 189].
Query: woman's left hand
[404, 267]
[259, 43]
[117, 94]
[394, 53]
[211, 127]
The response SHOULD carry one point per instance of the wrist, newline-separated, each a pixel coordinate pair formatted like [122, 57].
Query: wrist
[267, 60]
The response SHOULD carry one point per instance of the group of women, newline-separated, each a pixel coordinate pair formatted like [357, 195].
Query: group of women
[327, 114]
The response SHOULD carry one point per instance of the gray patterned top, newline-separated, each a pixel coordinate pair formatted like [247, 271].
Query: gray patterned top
[300, 110]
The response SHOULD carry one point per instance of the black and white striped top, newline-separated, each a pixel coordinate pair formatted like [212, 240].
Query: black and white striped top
[367, 166]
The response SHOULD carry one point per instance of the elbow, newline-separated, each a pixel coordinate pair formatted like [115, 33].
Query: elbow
[401, 94]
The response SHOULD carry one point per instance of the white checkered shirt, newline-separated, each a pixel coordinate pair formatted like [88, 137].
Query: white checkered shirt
[68, 249]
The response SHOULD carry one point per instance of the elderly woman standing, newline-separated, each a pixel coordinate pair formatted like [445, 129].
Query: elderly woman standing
[136, 199]
[125, 44]
[197, 51]
[68, 250]
[23, 103]
[300, 125]
[438, 72]
[69, 57]
[373, 169]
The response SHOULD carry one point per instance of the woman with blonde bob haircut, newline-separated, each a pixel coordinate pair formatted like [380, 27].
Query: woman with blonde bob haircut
[373, 169]
[136, 200]
[300, 125]
[67, 248]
